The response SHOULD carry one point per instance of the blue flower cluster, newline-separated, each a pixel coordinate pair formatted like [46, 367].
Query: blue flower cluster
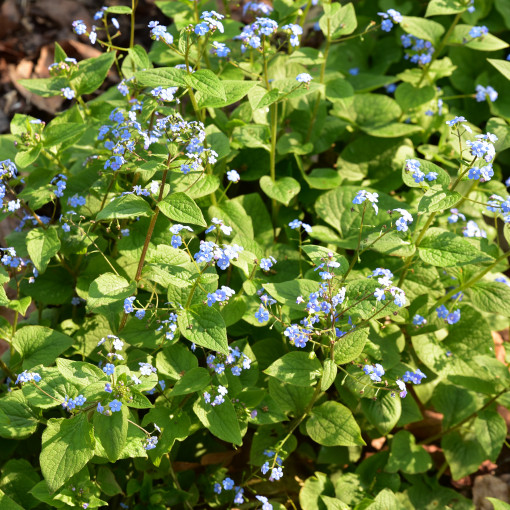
[478, 32]
[418, 51]
[220, 49]
[450, 317]
[160, 33]
[363, 195]
[251, 34]
[220, 397]
[418, 320]
[375, 372]
[176, 241]
[228, 485]
[211, 23]
[294, 31]
[404, 220]
[170, 325]
[212, 253]
[277, 470]
[236, 360]
[220, 296]
[267, 264]
[413, 165]
[389, 18]
[384, 279]
[27, 376]
[70, 403]
[295, 224]
[483, 93]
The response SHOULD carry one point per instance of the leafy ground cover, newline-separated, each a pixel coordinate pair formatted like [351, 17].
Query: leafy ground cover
[258, 260]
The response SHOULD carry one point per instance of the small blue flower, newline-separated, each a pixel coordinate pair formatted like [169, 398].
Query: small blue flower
[115, 405]
[262, 315]
[304, 78]
[109, 369]
[140, 314]
[128, 304]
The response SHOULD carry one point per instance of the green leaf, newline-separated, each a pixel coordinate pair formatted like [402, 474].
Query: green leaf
[488, 42]
[490, 430]
[18, 478]
[329, 371]
[407, 456]
[67, 446]
[445, 249]
[17, 419]
[408, 96]
[63, 135]
[323, 178]
[119, 9]
[335, 208]
[283, 190]
[235, 90]
[437, 199]
[295, 368]
[6, 503]
[92, 73]
[39, 345]
[183, 209]
[163, 77]
[426, 166]
[490, 297]
[175, 360]
[393, 130]
[338, 20]
[111, 432]
[464, 454]
[173, 427]
[207, 83]
[290, 398]
[205, 327]
[423, 28]
[53, 389]
[109, 288]
[385, 500]
[350, 346]
[367, 111]
[235, 216]
[45, 87]
[498, 504]
[503, 66]
[79, 372]
[220, 420]
[42, 245]
[443, 7]
[20, 305]
[382, 413]
[455, 403]
[332, 424]
[126, 206]
[287, 292]
[195, 379]
[26, 158]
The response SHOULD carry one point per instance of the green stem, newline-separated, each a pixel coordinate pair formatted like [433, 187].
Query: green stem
[440, 48]
[356, 253]
[321, 80]
[134, 4]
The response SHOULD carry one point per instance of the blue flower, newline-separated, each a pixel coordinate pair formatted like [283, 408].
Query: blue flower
[304, 78]
[109, 369]
[228, 484]
[262, 315]
[233, 176]
[140, 314]
[418, 320]
[115, 405]
[68, 92]
[374, 371]
[128, 304]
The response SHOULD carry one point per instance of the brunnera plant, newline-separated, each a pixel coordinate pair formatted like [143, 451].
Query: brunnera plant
[269, 243]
